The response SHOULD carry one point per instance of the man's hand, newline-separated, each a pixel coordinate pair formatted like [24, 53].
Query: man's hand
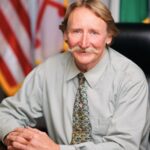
[29, 139]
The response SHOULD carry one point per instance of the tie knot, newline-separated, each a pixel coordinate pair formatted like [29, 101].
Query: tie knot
[81, 78]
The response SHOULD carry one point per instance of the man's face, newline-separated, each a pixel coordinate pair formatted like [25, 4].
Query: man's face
[86, 30]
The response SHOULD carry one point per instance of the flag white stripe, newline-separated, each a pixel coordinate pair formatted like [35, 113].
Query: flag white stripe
[49, 35]
[32, 14]
[60, 1]
[115, 9]
[55, 35]
[107, 2]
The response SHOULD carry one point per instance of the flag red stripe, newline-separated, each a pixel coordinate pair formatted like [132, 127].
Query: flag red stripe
[5, 71]
[23, 15]
[13, 42]
[41, 12]
[59, 6]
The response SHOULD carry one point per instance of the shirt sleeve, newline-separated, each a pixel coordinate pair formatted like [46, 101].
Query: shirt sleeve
[130, 123]
[22, 109]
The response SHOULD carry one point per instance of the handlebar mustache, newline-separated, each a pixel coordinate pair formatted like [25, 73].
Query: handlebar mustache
[89, 49]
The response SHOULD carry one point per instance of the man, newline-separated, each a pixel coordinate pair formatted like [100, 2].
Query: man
[116, 116]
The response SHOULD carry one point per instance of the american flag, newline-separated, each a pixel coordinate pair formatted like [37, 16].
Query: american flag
[24, 43]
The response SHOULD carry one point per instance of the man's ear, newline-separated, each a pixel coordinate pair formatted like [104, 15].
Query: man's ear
[109, 40]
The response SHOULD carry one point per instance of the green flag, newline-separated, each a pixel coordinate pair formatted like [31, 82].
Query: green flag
[133, 10]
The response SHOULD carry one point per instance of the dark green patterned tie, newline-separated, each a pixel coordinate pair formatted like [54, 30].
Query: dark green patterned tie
[81, 122]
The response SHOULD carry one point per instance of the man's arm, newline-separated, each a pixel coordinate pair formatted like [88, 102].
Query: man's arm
[22, 109]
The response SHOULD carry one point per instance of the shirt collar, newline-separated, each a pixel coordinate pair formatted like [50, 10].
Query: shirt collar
[72, 69]
[93, 75]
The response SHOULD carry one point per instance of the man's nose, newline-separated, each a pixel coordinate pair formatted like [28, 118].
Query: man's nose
[84, 41]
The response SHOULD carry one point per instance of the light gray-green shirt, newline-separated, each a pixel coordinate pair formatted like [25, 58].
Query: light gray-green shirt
[117, 97]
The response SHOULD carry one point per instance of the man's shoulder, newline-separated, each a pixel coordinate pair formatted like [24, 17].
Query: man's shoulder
[54, 63]
[119, 60]
[59, 57]
[123, 64]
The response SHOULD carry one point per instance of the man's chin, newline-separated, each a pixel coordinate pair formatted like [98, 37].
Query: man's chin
[83, 61]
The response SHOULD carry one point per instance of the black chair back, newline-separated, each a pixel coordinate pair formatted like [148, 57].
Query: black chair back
[134, 42]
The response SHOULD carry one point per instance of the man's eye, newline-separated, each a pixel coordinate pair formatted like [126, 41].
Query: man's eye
[76, 31]
[94, 32]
